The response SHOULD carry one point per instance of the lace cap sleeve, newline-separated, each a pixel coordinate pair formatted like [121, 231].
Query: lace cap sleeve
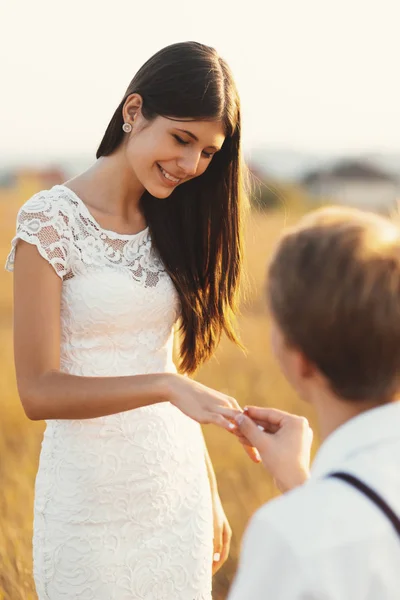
[45, 222]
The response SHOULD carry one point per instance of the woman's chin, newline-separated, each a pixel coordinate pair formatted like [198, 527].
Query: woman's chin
[159, 192]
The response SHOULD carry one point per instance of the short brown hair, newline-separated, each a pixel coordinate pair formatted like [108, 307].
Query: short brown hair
[334, 291]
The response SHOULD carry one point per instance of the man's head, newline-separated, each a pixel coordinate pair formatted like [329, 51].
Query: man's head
[334, 295]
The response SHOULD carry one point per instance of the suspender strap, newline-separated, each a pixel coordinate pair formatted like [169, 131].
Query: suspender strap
[372, 495]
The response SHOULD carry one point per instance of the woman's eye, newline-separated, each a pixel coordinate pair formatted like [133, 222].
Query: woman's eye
[207, 155]
[180, 140]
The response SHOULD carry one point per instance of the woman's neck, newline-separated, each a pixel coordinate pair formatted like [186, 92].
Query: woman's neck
[110, 186]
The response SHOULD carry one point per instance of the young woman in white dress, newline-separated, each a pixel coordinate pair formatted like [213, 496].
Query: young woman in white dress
[126, 504]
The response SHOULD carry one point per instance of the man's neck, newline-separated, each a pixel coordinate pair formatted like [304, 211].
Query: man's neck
[332, 412]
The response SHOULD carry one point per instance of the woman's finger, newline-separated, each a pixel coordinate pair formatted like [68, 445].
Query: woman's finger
[234, 403]
[217, 553]
[242, 439]
[226, 542]
[252, 453]
[221, 421]
[240, 436]
[228, 413]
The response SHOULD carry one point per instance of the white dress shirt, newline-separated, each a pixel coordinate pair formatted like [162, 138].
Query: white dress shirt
[325, 540]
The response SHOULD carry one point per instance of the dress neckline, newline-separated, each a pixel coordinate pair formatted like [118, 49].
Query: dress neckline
[109, 232]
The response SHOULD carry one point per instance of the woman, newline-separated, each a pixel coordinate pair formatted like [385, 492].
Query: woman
[126, 504]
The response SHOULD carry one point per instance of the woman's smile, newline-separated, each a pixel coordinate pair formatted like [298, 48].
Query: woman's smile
[168, 178]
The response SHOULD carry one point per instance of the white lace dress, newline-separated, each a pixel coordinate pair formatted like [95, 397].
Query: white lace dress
[122, 503]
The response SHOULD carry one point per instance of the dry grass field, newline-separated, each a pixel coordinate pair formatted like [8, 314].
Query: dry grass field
[252, 378]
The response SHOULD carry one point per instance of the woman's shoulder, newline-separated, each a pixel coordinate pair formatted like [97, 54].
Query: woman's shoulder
[51, 203]
[48, 221]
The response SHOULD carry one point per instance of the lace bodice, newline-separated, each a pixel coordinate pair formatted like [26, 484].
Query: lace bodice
[116, 291]
[122, 503]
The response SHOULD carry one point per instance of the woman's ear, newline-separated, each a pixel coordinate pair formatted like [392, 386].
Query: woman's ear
[132, 108]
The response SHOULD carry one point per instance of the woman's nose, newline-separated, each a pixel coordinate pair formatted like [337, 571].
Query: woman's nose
[189, 163]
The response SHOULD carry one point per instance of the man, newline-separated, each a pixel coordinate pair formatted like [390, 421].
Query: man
[334, 297]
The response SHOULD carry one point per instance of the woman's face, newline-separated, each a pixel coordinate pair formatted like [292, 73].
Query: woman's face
[165, 153]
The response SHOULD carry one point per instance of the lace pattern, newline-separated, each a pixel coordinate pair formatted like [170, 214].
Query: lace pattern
[68, 237]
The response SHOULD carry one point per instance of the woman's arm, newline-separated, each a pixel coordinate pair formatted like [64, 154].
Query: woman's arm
[47, 393]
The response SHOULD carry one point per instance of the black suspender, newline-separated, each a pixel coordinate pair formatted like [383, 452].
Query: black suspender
[372, 495]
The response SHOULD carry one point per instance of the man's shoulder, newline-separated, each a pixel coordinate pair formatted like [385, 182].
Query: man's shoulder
[318, 515]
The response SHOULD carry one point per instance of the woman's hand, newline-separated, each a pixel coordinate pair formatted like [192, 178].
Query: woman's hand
[283, 441]
[202, 403]
[250, 450]
[222, 534]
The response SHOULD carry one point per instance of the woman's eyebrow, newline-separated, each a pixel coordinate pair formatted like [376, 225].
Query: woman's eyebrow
[190, 134]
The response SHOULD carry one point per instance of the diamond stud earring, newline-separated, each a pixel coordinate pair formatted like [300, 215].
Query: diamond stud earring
[127, 127]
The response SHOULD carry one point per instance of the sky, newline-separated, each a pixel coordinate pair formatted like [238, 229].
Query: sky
[318, 76]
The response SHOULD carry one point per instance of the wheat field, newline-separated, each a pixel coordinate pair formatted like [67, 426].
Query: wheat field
[253, 378]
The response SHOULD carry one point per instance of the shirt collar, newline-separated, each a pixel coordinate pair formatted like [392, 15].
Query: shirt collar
[367, 429]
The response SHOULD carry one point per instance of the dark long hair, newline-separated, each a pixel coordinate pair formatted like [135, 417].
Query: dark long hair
[198, 229]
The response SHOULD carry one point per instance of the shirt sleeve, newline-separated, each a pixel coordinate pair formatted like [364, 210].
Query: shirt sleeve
[45, 222]
[269, 568]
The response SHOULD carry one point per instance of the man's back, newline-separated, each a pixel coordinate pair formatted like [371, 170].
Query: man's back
[326, 540]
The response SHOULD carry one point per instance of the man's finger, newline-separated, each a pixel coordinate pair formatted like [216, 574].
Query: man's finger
[269, 415]
[267, 426]
[249, 429]
[263, 426]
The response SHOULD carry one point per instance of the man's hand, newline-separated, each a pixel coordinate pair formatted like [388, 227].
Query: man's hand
[283, 442]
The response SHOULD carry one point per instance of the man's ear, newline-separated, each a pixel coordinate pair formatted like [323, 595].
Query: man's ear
[304, 367]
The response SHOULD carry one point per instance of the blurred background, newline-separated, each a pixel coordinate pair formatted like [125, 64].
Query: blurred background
[320, 111]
